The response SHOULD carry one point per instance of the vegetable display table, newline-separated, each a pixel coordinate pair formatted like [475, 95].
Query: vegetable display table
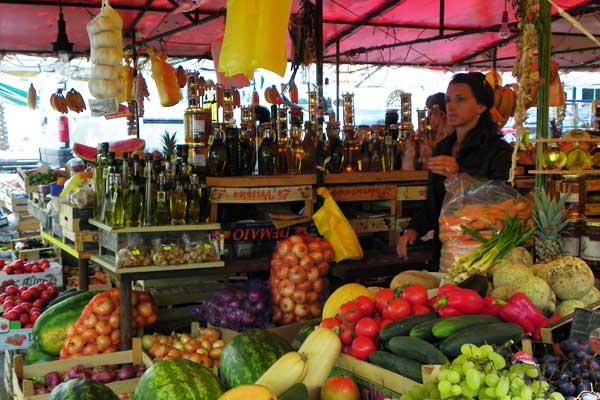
[110, 239]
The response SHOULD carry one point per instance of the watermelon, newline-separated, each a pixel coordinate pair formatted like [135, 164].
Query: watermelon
[250, 354]
[176, 380]
[50, 329]
[82, 389]
[88, 153]
[34, 355]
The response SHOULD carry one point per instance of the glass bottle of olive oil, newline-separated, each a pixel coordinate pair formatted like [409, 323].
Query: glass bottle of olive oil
[194, 201]
[162, 216]
[578, 158]
[178, 204]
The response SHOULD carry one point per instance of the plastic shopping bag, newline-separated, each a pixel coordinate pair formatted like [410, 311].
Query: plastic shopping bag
[333, 225]
[479, 204]
[271, 36]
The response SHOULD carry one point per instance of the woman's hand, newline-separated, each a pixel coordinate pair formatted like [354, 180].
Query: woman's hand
[408, 237]
[443, 165]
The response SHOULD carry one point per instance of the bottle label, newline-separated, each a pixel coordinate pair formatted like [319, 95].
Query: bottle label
[570, 246]
[590, 249]
[135, 252]
[211, 139]
[161, 196]
[167, 248]
[388, 140]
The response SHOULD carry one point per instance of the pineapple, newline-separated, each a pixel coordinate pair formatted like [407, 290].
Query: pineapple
[168, 144]
[549, 218]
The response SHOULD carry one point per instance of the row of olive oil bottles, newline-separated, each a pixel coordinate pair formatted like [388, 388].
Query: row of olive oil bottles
[132, 192]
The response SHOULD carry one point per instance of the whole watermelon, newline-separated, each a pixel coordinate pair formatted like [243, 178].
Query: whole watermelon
[250, 354]
[82, 389]
[178, 380]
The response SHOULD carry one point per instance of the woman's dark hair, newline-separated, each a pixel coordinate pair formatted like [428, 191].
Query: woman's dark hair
[484, 94]
[262, 114]
[438, 99]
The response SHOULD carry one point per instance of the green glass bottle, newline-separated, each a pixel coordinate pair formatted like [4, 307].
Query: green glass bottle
[267, 152]
[217, 153]
[178, 204]
[162, 215]
[101, 161]
[134, 198]
[149, 192]
[295, 152]
[115, 213]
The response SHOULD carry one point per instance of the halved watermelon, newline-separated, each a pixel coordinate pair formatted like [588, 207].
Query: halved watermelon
[88, 153]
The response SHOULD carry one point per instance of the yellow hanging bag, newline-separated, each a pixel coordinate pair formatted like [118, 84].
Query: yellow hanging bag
[333, 225]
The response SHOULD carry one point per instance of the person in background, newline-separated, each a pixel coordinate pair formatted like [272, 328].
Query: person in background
[474, 146]
[436, 110]
[262, 114]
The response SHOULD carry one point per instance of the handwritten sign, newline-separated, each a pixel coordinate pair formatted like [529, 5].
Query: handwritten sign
[362, 193]
[260, 195]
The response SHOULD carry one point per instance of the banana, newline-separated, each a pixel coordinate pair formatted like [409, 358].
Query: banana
[32, 97]
[494, 79]
[58, 102]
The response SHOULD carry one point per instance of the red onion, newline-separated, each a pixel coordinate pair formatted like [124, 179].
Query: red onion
[126, 371]
[52, 379]
[103, 377]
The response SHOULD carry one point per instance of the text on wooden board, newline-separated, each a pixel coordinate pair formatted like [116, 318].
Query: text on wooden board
[272, 194]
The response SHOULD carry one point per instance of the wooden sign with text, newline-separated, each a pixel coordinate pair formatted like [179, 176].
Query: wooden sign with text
[260, 194]
[363, 193]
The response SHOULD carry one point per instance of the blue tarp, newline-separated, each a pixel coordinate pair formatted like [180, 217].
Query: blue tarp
[12, 95]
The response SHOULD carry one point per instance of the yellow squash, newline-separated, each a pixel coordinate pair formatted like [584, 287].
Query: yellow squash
[322, 349]
[248, 392]
[287, 370]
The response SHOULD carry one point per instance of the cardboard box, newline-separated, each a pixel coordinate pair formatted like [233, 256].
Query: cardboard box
[22, 374]
[12, 336]
[52, 274]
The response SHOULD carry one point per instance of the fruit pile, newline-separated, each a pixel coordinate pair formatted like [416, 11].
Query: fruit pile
[480, 372]
[205, 349]
[298, 278]
[573, 371]
[25, 304]
[102, 374]
[18, 267]
[358, 323]
[97, 330]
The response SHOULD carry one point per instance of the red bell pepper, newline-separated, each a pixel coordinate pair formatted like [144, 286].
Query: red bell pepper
[521, 311]
[492, 306]
[453, 301]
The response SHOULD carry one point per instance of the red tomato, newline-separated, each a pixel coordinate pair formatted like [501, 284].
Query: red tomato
[420, 309]
[368, 327]
[340, 388]
[382, 298]
[346, 335]
[385, 322]
[24, 318]
[330, 323]
[36, 269]
[366, 305]
[12, 290]
[39, 303]
[415, 294]
[362, 346]
[11, 315]
[350, 312]
[396, 309]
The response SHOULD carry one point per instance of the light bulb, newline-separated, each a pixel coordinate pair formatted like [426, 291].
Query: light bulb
[504, 32]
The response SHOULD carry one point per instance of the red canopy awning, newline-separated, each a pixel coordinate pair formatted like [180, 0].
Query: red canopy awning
[388, 32]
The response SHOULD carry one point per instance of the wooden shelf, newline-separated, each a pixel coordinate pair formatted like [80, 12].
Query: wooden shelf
[375, 177]
[564, 172]
[558, 140]
[65, 247]
[261, 181]
[159, 228]
[109, 263]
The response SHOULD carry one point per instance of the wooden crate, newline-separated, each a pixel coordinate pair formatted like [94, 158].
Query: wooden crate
[22, 374]
[13, 199]
[28, 223]
[561, 329]
[75, 219]
[80, 241]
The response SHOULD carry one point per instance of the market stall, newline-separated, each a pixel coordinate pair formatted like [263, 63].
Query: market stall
[257, 260]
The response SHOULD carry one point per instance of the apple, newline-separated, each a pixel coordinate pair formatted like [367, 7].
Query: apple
[340, 388]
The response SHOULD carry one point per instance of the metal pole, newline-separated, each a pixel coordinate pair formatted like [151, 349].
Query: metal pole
[337, 80]
[319, 55]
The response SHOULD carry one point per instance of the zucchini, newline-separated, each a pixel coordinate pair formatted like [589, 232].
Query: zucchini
[403, 366]
[403, 326]
[416, 349]
[423, 331]
[303, 334]
[451, 325]
[298, 391]
[494, 334]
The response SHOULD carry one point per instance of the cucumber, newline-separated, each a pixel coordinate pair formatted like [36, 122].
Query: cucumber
[403, 326]
[494, 334]
[423, 331]
[403, 366]
[416, 349]
[451, 325]
[298, 391]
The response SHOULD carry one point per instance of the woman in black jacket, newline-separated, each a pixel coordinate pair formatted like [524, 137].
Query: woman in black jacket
[474, 147]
